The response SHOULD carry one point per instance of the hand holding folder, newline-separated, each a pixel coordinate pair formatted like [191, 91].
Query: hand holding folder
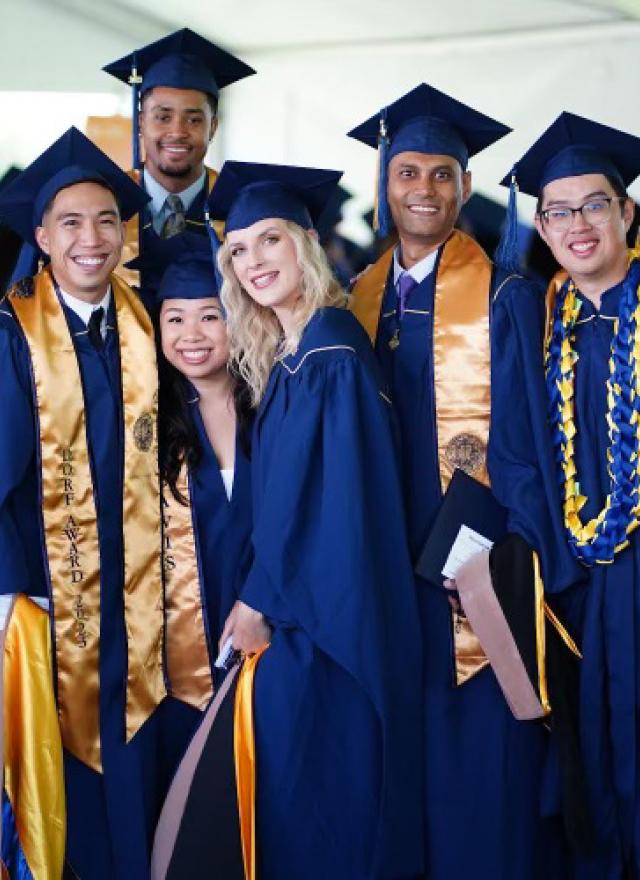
[469, 520]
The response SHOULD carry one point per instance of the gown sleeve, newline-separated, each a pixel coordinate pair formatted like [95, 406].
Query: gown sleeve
[520, 456]
[17, 444]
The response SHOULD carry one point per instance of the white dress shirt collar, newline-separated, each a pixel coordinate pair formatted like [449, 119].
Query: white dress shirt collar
[84, 310]
[159, 194]
[418, 272]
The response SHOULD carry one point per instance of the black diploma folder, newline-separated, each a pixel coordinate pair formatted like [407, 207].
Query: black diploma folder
[466, 502]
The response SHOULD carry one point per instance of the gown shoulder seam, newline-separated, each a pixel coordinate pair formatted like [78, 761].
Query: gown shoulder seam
[292, 370]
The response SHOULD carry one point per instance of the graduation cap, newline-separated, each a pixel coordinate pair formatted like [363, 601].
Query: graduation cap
[161, 257]
[72, 159]
[246, 192]
[571, 146]
[369, 218]
[332, 214]
[10, 174]
[424, 120]
[182, 60]
[191, 276]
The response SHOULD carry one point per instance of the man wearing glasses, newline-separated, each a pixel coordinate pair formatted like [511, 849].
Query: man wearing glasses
[579, 171]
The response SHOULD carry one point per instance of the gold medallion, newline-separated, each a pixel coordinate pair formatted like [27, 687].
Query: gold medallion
[467, 452]
[143, 432]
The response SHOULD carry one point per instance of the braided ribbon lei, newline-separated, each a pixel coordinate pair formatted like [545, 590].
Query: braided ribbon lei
[598, 540]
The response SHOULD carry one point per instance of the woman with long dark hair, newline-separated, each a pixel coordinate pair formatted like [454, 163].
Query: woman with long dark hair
[204, 442]
[204, 431]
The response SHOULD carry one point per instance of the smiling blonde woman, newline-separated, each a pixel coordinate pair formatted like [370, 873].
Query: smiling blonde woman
[337, 719]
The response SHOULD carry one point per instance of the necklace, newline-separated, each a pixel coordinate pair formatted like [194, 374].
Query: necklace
[598, 540]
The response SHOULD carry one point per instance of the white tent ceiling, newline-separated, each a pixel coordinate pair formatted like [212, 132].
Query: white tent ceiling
[77, 31]
[325, 66]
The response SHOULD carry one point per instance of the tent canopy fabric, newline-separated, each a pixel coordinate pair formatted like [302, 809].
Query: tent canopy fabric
[323, 67]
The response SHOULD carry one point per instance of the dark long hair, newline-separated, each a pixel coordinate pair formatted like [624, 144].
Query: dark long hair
[177, 434]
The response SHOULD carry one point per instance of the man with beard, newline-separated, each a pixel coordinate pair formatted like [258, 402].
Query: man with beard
[425, 304]
[175, 86]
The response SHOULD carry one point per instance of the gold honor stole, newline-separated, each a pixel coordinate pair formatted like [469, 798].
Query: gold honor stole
[131, 248]
[33, 764]
[188, 659]
[554, 288]
[461, 378]
[244, 748]
[69, 513]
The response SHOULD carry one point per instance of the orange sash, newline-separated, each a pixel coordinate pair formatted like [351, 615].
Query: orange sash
[245, 758]
[70, 519]
[188, 660]
[462, 377]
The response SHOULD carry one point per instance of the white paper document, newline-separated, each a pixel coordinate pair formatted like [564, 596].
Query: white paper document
[466, 545]
[226, 655]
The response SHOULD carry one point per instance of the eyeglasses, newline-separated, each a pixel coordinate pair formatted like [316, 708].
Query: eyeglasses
[596, 212]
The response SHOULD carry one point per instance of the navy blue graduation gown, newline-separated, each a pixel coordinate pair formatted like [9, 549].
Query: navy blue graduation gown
[483, 768]
[337, 693]
[223, 532]
[110, 817]
[520, 446]
[604, 607]
[223, 529]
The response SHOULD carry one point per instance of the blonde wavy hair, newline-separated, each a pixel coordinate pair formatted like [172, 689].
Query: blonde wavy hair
[255, 334]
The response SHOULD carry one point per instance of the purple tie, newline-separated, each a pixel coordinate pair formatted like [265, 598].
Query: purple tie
[406, 284]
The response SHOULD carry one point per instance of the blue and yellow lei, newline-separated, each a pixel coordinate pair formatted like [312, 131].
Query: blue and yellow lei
[598, 540]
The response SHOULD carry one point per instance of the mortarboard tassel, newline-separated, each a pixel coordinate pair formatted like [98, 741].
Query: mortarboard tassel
[382, 219]
[215, 247]
[26, 264]
[135, 81]
[506, 255]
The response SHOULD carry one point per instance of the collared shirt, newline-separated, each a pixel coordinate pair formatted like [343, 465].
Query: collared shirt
[419, 272]
[84, 310]
[158, 203]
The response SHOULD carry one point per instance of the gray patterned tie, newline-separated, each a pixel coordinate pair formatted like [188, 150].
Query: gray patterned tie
[175, 222]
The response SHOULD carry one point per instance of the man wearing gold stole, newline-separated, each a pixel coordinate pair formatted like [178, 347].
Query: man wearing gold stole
[579, 171]
[79, 526]
[426, 306]
[175, 84]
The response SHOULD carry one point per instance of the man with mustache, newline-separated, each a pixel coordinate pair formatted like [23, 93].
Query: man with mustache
[426, 306]
[175, 88]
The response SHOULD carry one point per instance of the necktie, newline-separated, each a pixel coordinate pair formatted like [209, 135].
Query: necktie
[175, 222]
[406, 284]
[95, 322]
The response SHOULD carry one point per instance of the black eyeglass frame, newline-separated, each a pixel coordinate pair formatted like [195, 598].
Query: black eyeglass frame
[544, 215]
